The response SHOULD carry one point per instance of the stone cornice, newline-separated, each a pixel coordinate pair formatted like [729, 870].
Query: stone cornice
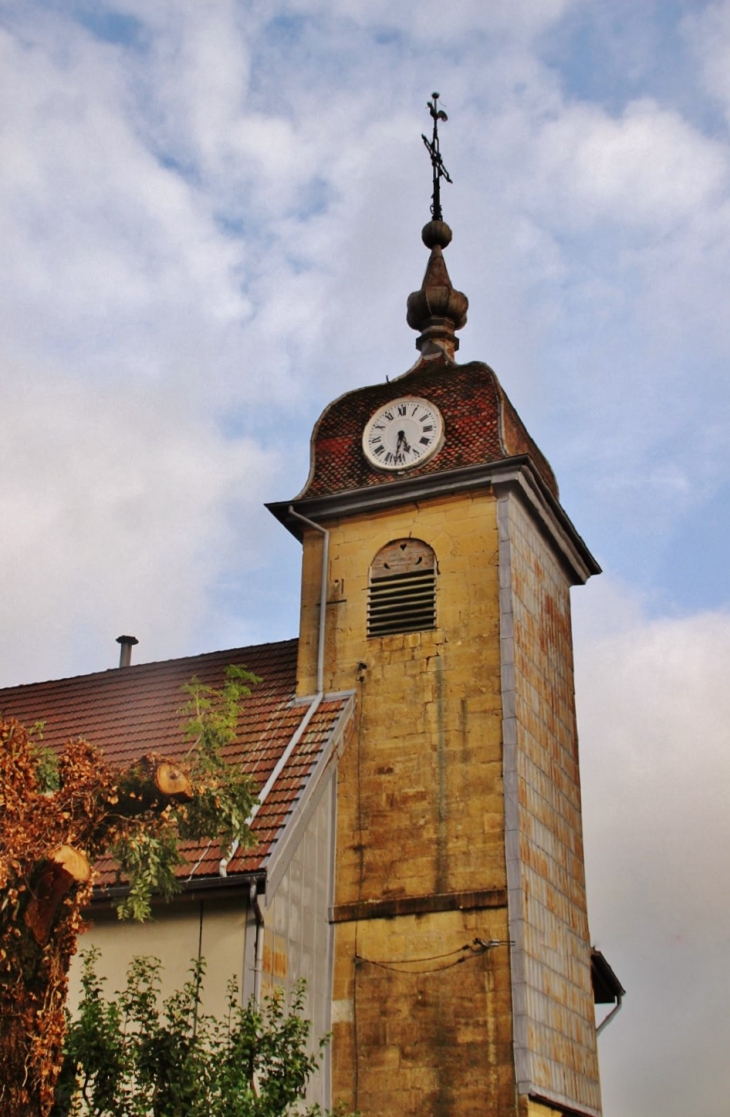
[418, 905]
[515, 475]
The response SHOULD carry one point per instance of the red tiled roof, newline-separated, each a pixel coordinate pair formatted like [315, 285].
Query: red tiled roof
[481, 426]
[135, 710]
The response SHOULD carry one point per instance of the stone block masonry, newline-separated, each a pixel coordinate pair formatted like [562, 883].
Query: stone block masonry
[421, 1025]
[458, 820]
[554, 1016]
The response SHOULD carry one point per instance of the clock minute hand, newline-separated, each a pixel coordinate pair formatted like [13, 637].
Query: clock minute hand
[402, 441]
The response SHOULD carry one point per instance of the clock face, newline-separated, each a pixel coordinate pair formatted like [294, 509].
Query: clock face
[403, 434]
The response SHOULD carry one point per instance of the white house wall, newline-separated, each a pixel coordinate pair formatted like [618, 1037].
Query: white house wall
[181, 932]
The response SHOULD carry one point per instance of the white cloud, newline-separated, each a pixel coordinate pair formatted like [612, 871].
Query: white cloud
[429, 19]
[209, 230]
[106, 251]
[120, 509]
[708, 32]
[647, 168]
[654, 710]
[219, 208]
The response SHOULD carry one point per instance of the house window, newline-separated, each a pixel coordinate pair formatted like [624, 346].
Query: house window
[402, 590]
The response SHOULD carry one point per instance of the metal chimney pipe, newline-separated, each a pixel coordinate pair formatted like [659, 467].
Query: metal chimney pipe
[125, 650]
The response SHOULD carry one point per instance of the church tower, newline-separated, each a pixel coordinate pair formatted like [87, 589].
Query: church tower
[432, 529]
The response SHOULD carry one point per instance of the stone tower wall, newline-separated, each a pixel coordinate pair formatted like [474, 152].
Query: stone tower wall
[555, 1039]
[458, 818]
[422, 1023]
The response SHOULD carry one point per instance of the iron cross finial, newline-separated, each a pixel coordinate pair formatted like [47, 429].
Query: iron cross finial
[432, 146]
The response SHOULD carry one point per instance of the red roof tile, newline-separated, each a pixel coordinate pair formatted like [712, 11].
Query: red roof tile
[134, 710]
[481, 426]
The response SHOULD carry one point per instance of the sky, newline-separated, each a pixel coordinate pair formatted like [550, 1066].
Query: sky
[210, 214]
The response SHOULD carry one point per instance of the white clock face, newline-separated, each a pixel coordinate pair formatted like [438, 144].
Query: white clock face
[403, 434]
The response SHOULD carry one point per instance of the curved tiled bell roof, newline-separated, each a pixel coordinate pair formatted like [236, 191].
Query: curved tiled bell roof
[481, 426]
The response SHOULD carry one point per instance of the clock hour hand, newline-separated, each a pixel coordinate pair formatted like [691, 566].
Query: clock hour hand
[402, 443]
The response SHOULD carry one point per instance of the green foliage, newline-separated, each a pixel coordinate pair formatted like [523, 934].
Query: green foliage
[46, 761]
[220, 806]
[148, 859]
[225, 800]
[92, 1043]
[213, 715]
[132, 1058]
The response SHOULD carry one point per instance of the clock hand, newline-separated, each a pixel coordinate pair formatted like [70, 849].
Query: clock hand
[402, 439]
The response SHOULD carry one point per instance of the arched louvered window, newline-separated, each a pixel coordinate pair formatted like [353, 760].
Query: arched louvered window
[402, 590]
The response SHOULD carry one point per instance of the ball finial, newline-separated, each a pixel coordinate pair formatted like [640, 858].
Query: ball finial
[436, 233]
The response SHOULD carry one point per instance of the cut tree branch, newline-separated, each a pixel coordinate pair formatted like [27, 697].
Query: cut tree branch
[64, 868]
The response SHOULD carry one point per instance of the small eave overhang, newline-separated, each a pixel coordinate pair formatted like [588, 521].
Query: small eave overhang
[516, 474]
[607, 989]
[190, 890]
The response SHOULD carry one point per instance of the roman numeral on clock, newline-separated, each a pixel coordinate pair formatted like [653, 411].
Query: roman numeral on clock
[403, 433]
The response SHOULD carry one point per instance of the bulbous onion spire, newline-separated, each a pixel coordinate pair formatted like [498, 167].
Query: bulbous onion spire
[438, 309]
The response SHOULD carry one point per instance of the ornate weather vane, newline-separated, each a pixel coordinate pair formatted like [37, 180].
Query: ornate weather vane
[432, 146]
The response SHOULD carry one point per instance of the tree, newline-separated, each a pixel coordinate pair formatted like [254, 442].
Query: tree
[58, 815]
[128, 1058]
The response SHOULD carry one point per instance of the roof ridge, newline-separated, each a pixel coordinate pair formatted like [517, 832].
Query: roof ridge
[138, 667]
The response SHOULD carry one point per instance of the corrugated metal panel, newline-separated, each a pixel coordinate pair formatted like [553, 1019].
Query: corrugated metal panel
[297, 937]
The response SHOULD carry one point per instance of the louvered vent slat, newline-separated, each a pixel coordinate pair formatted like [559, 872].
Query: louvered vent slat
[402, 592]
